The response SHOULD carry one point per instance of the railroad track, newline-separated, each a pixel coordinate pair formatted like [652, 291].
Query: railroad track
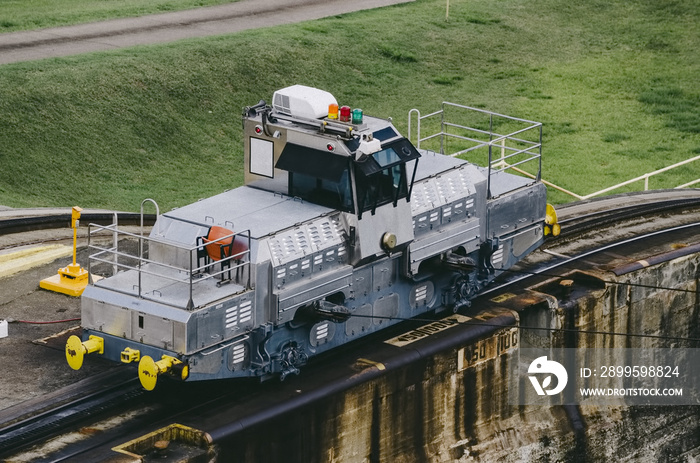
[82, 404]
[55, 221]
[608, 211]
[34, 421]
[546, 268]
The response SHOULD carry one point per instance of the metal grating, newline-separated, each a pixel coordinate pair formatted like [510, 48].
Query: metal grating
[239, 313]
[308, 238]
[238, 353]
[322, 331]
[497, 257]
[423, 197]
[421, 293]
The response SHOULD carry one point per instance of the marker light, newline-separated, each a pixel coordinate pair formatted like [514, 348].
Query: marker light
[333, 111]
[345, 114]
[258, 129]
[357, 116]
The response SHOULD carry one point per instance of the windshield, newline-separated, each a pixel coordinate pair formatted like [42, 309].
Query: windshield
[383, 187]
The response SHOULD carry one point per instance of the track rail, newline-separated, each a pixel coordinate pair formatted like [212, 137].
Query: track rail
[54, 221]
[563, 261]
[34, 422]
[625, 207]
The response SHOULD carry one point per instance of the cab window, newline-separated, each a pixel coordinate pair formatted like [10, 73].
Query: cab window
[322, 191]
[382, 187]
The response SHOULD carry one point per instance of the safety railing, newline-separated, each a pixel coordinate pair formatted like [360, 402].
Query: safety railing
[645, 178]
[190, 274]
[508, 141]
[498, 142]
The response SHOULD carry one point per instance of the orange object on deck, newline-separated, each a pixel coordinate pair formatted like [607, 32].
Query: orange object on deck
[218, 248]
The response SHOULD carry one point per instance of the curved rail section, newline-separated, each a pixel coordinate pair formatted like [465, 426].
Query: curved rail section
[55, 221]
[670, 201]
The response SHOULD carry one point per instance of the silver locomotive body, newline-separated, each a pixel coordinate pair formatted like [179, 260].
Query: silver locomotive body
[342, 229]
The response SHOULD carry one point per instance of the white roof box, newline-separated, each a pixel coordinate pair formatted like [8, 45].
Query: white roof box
[302, 101]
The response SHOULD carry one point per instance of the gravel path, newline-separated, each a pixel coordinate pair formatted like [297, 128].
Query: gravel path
[168, 27]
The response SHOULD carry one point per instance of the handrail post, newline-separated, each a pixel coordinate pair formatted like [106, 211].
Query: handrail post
[153, 201]
[115, 245]
[488, 178]
[410, 123]
[140, 262]
[539, 169]
[90, 281]
[250, 260]
[141, 236]
[190, 302]
[442, 129]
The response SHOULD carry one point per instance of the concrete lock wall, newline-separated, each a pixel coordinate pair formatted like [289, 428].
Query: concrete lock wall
[431, 411]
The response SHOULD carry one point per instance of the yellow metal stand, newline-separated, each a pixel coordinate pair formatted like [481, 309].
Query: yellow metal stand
[73, 279]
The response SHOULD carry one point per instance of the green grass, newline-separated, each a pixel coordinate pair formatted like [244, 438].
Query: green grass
[18, 15]
[614, 82]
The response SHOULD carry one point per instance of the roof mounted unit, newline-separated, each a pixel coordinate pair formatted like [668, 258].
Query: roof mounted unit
[302, 101]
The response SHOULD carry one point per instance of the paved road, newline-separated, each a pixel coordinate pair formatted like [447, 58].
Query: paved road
[168, 27]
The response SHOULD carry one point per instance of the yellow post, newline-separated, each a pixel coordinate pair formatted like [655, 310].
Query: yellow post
[75, 216]
[73, 279]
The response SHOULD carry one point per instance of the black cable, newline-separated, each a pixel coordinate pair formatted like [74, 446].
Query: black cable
[564, 330]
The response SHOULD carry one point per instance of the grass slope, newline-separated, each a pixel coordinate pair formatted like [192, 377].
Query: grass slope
[615, 83]
[18, 15]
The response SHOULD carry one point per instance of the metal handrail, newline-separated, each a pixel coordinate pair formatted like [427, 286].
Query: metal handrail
[644, 177]
[531, 148]
[142, 234]
[103, 256]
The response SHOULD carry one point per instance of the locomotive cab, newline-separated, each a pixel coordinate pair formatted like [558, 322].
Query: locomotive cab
[363, 168]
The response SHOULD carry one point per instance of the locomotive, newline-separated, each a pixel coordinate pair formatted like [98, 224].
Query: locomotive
[342, 228]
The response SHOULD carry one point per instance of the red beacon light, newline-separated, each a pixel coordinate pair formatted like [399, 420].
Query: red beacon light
[258, 129]
[345, 114]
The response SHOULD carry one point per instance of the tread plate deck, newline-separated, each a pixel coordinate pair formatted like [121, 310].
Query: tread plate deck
[172, 287]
